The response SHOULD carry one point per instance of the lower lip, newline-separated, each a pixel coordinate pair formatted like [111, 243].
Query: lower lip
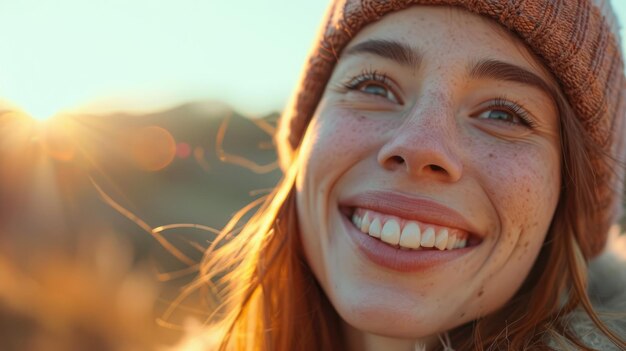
[400, 260]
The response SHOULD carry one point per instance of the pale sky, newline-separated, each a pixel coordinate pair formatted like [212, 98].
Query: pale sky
[61, 55]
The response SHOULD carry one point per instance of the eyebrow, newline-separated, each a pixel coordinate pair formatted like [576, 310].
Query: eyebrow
[485, 68]
[504, 71]
[389, 49]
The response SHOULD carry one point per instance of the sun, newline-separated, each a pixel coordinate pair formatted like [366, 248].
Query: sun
[38, 111]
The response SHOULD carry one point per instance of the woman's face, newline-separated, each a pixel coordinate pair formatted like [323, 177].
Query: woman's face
[435, 121]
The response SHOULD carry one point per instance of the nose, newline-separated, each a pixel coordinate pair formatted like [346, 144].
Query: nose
[423, 147]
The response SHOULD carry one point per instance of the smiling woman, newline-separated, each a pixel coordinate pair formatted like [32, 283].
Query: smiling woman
[442, 147]
[449, 174]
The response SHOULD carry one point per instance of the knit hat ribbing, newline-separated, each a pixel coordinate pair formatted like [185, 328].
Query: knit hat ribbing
[576, 40]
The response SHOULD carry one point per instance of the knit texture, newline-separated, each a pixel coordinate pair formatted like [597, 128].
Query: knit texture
[576, 39]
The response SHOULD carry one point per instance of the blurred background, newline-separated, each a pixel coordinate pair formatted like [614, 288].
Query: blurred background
[131, 130]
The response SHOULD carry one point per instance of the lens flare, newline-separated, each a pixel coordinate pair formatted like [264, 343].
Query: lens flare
[152, 148]
[183, 150]
[57, 142]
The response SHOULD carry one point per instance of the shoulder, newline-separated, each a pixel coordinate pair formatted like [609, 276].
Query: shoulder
[607, 291]
[607, 276]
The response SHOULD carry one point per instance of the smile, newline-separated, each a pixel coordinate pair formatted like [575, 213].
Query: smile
[407, 234]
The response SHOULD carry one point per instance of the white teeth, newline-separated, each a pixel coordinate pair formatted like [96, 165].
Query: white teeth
[441, 241]
[375, 228]
[356, 220]
[365, 223]
[428, 238]
[461, 244]
[410, 236]
[451, 242]
[391, 232]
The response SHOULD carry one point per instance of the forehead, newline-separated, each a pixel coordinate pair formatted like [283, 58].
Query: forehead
[442, 32]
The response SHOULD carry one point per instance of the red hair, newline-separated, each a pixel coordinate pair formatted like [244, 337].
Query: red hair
[270, 299]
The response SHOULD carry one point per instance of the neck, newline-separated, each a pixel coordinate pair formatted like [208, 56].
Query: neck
[360, 340]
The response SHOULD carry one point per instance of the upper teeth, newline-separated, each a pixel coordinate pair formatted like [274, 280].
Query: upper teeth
[406, 233]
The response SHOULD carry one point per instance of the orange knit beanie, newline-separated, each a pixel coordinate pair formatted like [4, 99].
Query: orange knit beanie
[577, 40]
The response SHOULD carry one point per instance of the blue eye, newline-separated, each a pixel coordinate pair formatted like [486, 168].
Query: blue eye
[500, 115]
[507, 112]
[373, 83]
[375, 90]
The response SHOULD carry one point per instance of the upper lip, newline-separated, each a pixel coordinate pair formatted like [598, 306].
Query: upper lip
[411, 207]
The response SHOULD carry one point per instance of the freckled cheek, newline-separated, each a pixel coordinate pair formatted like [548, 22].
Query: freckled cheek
[339, 138]
[523, 184]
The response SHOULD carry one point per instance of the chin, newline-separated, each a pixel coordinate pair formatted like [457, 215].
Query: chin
[396, 322]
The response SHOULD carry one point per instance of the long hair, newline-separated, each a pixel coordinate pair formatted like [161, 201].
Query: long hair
[270, 300]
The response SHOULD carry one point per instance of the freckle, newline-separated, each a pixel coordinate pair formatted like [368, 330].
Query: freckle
[490, 155]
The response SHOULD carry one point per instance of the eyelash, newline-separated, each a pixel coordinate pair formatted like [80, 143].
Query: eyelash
[370, 76]
[366, 75]
[501, 102]
[514, 108]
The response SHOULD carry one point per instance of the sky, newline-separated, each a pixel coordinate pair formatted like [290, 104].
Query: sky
[110, 55]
